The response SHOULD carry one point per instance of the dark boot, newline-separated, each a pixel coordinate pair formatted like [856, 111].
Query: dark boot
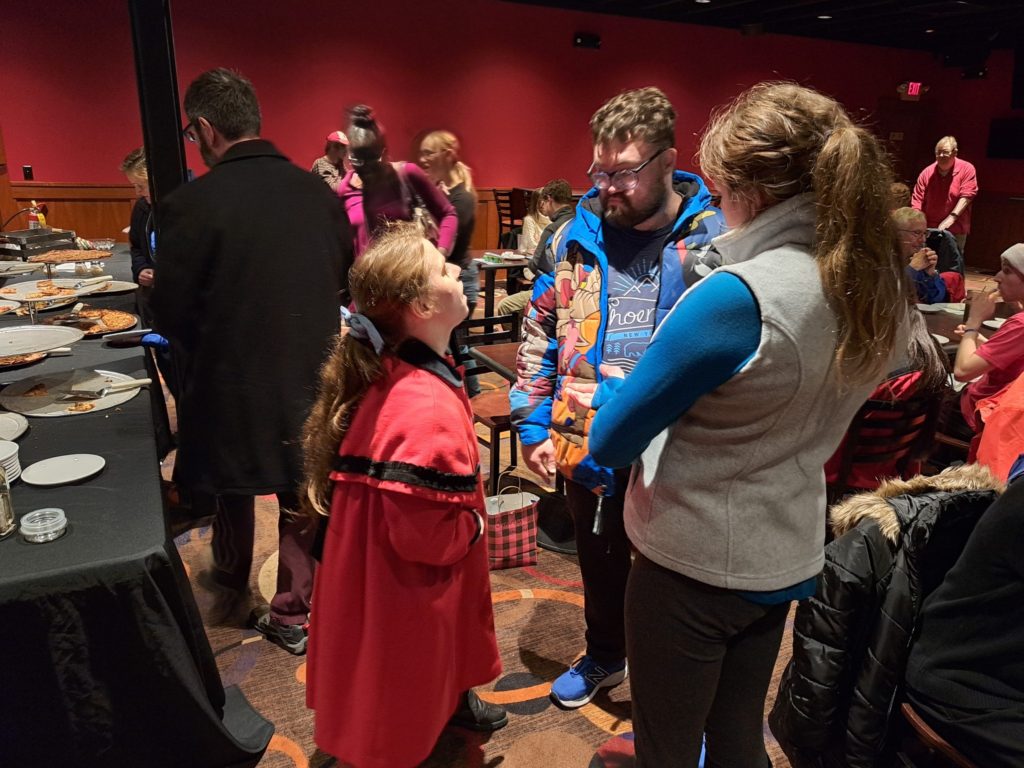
[477, 715]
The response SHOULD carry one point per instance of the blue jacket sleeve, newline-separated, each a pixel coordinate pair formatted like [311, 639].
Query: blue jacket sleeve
[707, 338]
[931, 289]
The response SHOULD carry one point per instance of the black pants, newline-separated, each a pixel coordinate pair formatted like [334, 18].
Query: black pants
[700, 661]
[234, 529]
[604, 564]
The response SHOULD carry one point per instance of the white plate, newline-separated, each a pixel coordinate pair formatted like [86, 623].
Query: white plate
[940, 338]
[117, 286]
[56, 384]
[12, 426]
[995, 323]
[13, 268]
[26, 339]
[929, 308]
[954, 308]
[7, 306]
[63, 469]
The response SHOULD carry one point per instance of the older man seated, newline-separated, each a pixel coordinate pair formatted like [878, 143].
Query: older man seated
[921, 261]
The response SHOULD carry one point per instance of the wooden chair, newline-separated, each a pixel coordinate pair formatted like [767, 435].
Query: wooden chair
[939, 751]
[507, 221]
[492, 409]
[888, 432]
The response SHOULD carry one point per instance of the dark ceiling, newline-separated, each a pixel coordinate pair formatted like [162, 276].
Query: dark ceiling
[933, 25]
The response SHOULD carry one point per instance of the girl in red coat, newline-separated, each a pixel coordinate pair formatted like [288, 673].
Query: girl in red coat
[402, 625]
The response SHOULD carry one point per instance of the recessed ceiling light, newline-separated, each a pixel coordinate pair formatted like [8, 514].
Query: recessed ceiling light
[928, 31]
[824, 17]
[702, 2]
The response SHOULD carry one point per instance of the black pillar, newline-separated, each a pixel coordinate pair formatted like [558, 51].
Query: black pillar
[153, 41]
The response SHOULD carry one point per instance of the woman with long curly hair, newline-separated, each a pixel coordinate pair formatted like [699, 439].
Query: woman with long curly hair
[403, 606]
[745, 391]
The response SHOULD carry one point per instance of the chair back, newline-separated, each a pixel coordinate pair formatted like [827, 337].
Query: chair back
[480, 331]
[956, 290]
[945, 247]
[935, 745]
[890, 433]
[507, 221]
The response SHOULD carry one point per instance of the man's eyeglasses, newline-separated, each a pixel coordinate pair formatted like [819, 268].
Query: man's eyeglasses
[189, 132]
[944, 153]
[626, 179]
[915, 232]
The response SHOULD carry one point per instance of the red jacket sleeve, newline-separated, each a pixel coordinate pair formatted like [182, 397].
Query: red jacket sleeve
[428, 531]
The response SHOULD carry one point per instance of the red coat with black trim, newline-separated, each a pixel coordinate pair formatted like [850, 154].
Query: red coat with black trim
[402, 622]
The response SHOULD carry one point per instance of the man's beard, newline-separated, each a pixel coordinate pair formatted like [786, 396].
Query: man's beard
[626, 216]
[206, 152]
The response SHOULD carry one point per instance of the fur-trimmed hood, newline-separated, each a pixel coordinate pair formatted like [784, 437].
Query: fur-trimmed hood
[873, 505]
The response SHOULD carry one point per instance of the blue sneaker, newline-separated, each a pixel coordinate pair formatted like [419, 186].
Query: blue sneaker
[581, 682]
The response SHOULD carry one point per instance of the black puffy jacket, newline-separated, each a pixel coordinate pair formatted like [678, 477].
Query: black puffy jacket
[838, 695]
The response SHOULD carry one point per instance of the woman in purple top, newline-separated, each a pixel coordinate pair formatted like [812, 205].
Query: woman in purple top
[375, 192]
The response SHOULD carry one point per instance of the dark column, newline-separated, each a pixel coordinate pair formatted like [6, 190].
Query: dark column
[153, 41]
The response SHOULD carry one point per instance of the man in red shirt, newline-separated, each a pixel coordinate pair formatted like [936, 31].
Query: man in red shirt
[944, 191]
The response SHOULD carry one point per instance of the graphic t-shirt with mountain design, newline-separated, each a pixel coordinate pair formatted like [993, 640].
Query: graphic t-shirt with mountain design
[634, 280]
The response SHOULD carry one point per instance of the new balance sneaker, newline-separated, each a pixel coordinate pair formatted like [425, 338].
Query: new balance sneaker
[478, 715]
[581, 682]
[291, 637]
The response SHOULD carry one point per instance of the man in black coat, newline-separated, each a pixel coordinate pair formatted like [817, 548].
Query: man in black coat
[251, 258]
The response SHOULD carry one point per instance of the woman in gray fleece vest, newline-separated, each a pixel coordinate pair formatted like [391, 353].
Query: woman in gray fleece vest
[744, 393]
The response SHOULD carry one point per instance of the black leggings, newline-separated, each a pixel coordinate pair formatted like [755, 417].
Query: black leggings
[700, 662]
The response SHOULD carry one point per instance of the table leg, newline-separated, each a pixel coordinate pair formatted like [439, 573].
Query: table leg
[489, 283]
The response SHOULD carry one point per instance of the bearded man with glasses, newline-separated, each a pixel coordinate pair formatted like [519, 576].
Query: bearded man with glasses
[640, 237]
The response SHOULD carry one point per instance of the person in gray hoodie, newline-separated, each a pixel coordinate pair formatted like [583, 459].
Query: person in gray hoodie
[745, 391]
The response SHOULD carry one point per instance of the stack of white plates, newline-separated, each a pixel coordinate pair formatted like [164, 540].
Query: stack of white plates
[9, 460]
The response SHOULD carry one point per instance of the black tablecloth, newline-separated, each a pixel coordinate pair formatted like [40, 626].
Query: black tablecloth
[103, 657]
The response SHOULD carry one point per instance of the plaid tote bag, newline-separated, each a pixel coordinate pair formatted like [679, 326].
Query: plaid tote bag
[512, 529]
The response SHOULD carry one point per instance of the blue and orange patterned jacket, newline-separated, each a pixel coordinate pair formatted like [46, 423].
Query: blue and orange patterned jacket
[564, 324]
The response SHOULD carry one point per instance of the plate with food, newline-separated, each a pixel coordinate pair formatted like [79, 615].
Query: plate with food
[929, 309]
[20, 361]
[16, 268]
[48, 292]
[995, 323]
[41, 395]
[67, 256]
[94, 322]
[116, 286]
[26, 339]
[8, 306]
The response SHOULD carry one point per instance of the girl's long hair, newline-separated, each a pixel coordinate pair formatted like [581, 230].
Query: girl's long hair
[390, 276]
[446, 140]
[778, 140]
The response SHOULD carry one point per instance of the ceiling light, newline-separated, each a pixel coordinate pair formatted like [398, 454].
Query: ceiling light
[824, 17]
[928, 31]
[702, 2]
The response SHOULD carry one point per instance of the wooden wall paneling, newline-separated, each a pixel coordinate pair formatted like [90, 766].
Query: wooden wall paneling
[997, 222]
[485, 234]
[91, 210]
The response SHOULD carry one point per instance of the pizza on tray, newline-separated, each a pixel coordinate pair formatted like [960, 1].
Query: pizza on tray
[66, 256]
[13, 360]
[110, 320]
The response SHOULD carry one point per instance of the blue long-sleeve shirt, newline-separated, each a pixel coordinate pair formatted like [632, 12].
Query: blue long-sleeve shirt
[702, 344]
[931, 289]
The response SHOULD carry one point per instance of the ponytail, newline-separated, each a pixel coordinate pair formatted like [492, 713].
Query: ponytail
[344, 379]
[857, 250]
[778, 140]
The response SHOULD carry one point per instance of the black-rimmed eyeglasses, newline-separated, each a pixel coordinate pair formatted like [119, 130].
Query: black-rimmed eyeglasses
[626, 179]
[189, 132]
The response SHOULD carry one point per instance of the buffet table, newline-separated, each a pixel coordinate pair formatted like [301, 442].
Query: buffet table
[103, 656]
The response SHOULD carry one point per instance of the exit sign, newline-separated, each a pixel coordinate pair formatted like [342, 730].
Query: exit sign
[913, 89]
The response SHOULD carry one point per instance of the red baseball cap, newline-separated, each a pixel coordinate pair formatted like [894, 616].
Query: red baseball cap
[338, 137]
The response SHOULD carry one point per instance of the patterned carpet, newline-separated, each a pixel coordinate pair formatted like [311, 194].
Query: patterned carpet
[539, 618]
